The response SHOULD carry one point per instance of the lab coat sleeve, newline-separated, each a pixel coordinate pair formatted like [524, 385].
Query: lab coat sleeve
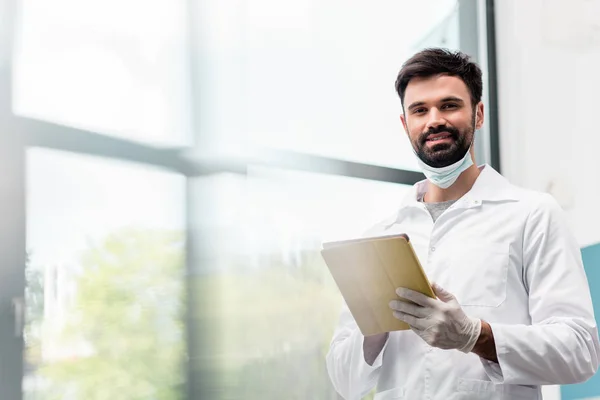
[350, 374]
[561, 344]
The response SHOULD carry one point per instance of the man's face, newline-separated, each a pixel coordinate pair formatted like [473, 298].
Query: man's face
[439, 119]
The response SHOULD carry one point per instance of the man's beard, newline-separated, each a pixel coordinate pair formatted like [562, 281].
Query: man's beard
[443, 154]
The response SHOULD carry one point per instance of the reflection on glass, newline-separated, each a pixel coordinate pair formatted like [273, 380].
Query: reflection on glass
[117, 67]
[318, 76]
[105, 275]
[273, 305]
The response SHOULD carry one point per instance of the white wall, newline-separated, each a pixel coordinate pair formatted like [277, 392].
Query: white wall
[548, 54]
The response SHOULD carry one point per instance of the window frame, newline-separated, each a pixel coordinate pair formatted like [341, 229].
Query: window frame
[477, 37]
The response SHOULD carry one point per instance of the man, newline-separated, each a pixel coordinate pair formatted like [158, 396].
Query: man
[513, 308]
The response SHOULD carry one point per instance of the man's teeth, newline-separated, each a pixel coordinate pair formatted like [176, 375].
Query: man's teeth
[438, 138]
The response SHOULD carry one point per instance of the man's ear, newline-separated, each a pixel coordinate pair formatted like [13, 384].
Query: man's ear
[403, 119]
[479, 115]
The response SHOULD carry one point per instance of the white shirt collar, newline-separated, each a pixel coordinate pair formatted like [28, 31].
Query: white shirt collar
[489, 186]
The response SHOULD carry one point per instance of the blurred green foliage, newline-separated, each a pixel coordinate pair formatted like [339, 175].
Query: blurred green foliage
[262, 333]
[129, 310]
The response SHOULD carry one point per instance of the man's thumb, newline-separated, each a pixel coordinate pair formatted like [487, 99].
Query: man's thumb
[442, 294]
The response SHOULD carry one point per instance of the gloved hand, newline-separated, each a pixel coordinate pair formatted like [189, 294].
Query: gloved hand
[440, 322]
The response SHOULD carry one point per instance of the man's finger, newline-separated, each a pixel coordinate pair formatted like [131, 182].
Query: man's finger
[415, 297]
[442, 293]
[414, 322]
[410, 309]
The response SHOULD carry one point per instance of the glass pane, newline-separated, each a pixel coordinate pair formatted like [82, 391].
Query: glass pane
[117, 67]
[273, 305]
[105, 280]
[318, 76]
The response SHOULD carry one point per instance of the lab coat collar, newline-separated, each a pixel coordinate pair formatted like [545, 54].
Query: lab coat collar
[490, 186]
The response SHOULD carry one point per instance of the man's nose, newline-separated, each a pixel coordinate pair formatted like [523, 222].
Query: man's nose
[435, 119]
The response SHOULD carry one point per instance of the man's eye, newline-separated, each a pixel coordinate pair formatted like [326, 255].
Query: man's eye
[419, 110]
[449, 106]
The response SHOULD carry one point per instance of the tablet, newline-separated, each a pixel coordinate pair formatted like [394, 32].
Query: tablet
[368, 271]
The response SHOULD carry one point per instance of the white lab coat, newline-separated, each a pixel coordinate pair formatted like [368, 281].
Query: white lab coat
[508, 256]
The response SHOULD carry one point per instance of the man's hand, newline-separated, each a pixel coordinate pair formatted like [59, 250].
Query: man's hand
[440, 322]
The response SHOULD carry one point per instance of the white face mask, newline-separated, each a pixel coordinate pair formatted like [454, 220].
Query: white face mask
[444, 177]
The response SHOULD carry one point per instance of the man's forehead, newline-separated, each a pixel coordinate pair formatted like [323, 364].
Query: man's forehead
[434, 88]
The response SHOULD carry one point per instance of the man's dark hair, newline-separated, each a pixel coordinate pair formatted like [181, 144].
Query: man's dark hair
[436, 61]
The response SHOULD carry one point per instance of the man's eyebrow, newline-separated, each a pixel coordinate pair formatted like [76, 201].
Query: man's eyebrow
[416, 104]
[452, 98]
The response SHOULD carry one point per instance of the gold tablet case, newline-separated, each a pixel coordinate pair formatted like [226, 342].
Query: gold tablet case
[368, 271]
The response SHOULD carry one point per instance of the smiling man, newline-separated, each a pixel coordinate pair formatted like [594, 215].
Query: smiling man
[513, 308]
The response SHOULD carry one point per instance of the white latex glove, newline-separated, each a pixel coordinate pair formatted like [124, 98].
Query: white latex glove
[440, 322]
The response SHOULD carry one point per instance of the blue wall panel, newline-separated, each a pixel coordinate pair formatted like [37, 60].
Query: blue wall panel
[591, 262]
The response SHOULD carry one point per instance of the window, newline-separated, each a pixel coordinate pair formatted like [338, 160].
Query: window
[114, 67]
[105, 279]
[318, 76]
[147, 252]
[270, 303]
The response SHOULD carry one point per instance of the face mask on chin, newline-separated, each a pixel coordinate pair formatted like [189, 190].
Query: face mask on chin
[444, 177]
